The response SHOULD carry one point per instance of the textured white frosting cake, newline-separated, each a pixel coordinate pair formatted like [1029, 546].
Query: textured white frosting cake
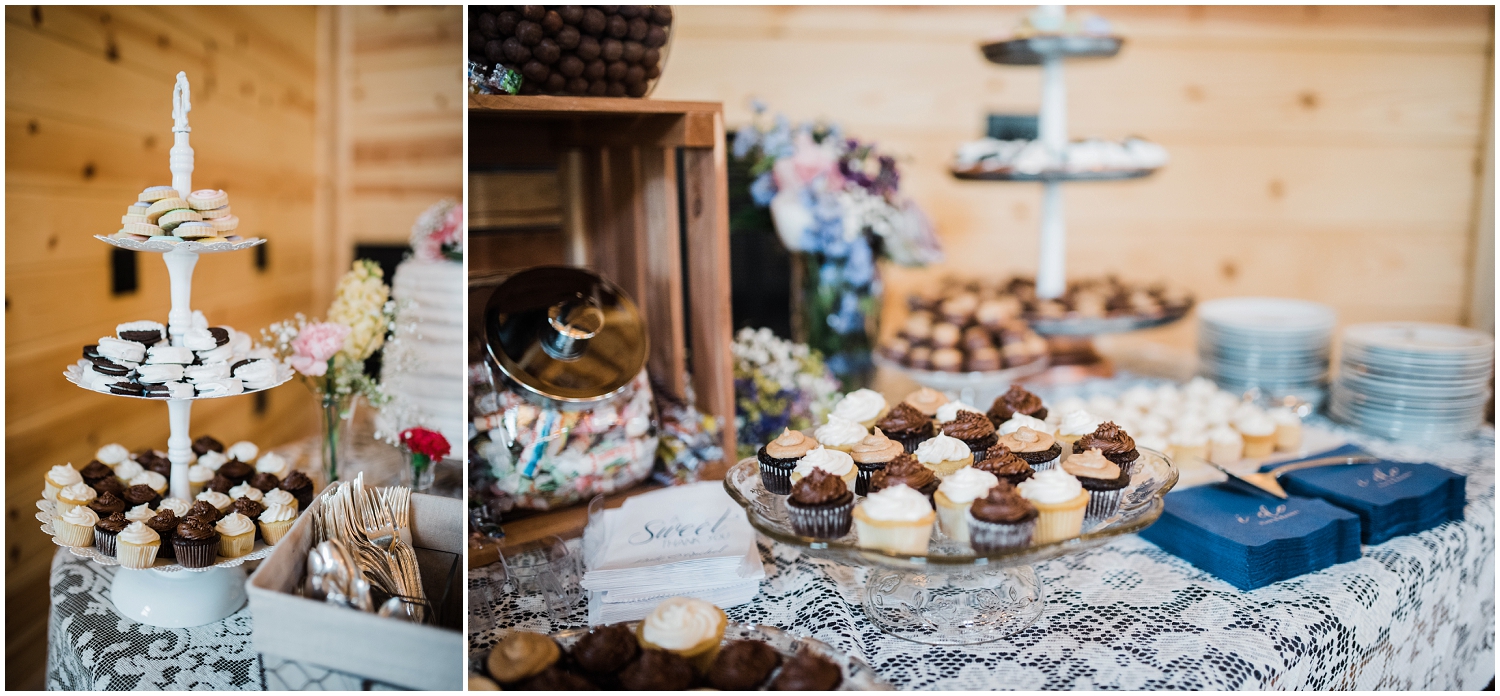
[425, 376]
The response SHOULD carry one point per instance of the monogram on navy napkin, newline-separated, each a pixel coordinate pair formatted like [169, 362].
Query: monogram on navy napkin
[1391, 498]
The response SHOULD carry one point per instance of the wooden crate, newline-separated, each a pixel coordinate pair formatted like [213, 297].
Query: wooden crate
[645, 203]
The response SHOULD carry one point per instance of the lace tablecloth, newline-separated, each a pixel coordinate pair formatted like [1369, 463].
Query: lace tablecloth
[1417, 612]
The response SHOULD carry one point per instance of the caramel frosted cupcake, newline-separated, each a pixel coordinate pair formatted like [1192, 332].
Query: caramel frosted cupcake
[1039, 449]
[778, 457]
[944, 455]
[907, 425]
[948, 360]
[920, 358]
[1103, 479]
[1001, 520]
[926, 401]
[863, 406]
[820, 505]
[521, 655]
[1005, 465]
[1016, 400]
[905, 470]
[973, 429]
[840, 433]
[871, 455]
[1113, 442]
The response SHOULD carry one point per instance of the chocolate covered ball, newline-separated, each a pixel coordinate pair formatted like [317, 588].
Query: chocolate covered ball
[556, 82]
[494, 50]
[635, 74]
[629, 11]
[486, 26]
[571, 14]
[616, 89]
[577, 85]
[594, 70]
[571, 66]
[635, 89]
[530, 33]
[589, 48]
[655, 37]
[547, 52]
[610, 9]
[653, 72]
[651, 57]
[515, 52]
[552, 22]
[505, 22]
[633, 52]
[534, 13]
[611, 49]
[637, 28]
[615, 72]
[535, 72]
[617, 27]
[661, 14]
[597, 88]
[567, 38]
[476, 43]
[593, 21]
[529, 88]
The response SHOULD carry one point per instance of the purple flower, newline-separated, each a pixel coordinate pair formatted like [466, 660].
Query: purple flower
[763, 189]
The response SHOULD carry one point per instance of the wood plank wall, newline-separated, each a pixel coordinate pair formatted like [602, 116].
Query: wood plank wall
[1330, 153]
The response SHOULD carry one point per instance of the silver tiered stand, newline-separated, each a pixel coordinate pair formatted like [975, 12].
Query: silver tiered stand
[168, 595]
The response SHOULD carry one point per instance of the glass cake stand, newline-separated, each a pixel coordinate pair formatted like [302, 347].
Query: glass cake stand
[953, 595]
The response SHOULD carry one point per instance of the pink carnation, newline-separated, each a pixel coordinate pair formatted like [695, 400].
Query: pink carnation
[315, 344]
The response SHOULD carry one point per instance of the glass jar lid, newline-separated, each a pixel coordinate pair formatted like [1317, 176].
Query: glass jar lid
[565, 333]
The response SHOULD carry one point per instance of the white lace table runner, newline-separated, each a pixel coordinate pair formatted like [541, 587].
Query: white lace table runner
[1417, 612]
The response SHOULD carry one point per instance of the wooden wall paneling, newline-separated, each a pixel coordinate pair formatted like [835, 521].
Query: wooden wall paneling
[705, 173]
[1480, 310]
[663, 299]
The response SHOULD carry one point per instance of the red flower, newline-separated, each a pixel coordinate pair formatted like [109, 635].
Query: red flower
[425, 442]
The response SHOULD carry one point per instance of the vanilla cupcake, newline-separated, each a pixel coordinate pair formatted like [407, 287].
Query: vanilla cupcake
[280, 497]
[243, 451]
[140, 513]
[236, 535]
[1074, 424]
[212, 459]
[276, 521]
[150, 479]
[111, 455]
[944, 455]
[58, 478]
[274, 464]
[948, 411]
[178, 506]
[1060, 502]
[75, 495]
[871, 455]
[1188, 445]
[1288, 429]
[127, 470]
[896, 519]
[954, 496]
[690, 628]
[220, 501]
[840, 433]
[1225, 445]
[835, 462]
[863, 406]
[1259, 431]
[927, 401]
[198, 477]
[76, 528]
[245, 490]
[137, 546]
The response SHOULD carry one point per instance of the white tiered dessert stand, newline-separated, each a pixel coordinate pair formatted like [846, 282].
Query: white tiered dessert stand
[168, 595]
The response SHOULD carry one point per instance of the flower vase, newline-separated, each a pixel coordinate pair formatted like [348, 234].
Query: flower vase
[338, 417]
[419, 472]
[836, 311]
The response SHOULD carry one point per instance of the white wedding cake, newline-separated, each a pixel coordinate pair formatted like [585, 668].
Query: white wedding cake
[423, 366]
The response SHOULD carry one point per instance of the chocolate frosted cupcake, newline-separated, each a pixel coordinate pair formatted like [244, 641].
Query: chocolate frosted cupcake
[871, 455]
[151, 460]
[301, 488]
[974, 429]
[1005, 465]
[907, 471]
[657, 670]
[164, 523]
[1039, 449]
[778, 457]
[105, 531]
[808, 672]
[1017, 400]
[250, 509]
[605, 650]
[236, 471]
[195, 542]
[820, 506]
[220, 483]
[907, 425]
[110, 485]
[1112, 441]
[555, 678]
[206, 444]
[1103, 479]
[141, 494]
[107, 504]
[1001, 520]
[743, 665]
[264, 482]
[94, 472]
[204, 510]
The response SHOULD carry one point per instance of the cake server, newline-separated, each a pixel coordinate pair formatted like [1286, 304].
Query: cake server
[1266, 481]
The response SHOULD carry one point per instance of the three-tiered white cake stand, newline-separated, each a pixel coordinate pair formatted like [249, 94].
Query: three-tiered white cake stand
[169, 595]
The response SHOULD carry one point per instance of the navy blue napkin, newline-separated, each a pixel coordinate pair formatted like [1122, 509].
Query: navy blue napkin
[1391, 498]
[1251, 540]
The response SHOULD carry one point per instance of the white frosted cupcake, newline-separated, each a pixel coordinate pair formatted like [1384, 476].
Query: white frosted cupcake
[1188, 445]
[72, 496]
[1074, 425]
[244, 451]
[1288, 429]
[151, 479]
[691, 628]
[137, 546]
[833, 461]
[276, 496]
[274, 464]
[76, 528]
[1225, 445]
[1060, 502]
[236, 535]
[840, 433]
[220, 501]
[1021, 420]
[896, 519]
[944, 455]
[1259, 432]
[213, 460]
[954, 496]
[863, 406]
[198, 477]
[949, 410]
[276, 521]
[178, 506]
[58, 478]
[245, 490]
[140, 513]
[127, 470]
[112, 454]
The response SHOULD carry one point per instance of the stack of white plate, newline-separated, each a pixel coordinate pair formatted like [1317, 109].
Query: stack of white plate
[1413, 381]
[1278, 346]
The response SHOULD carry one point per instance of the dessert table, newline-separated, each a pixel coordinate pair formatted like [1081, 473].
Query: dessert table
[91, 647]
[1417, 612]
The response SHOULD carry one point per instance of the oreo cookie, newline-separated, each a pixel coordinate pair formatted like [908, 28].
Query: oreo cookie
[104, 366]
[91, 352]
[145, 337]
[127, 388]
[237, 365]
[158, 391]
[220, 334]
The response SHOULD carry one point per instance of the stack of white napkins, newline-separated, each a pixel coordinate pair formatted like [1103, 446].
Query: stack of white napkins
[683, 541]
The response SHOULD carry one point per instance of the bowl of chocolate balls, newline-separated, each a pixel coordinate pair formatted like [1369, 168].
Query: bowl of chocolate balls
[577, 50]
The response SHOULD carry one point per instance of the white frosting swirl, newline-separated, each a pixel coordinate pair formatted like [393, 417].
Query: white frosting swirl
[112, 454]
[245, 490]
[244, 450]
[63, 475]
[156, 481]
[178, 506]
[832, 461]
[942, 449]
[680, 623]
[967, 484]
[1021, 420]
[1188, 438]
[899, 503]
[1051, 486]
[212, 459]
[1076, 423]
[272, 463]
[1226, 435]
[234, 524]
[949, 411]
[81, 516]
[840, 431]
[139, 534]
[860, 405]
[216, 499]
[140, 513]
[199, 473]
[1258, 424]
[279, 512]
[276, 496]
[1200, 388]
[79, 492]
[128, 469]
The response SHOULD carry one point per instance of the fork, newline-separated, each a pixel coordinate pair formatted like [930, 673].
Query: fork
[377, 524]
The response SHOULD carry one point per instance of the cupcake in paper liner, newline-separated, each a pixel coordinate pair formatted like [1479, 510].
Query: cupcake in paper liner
[871, 455]
[973, 429]
[136, 547]
[820, 506]
[905, 470]
[1060, 501]
[1114, 443]
[778, 457]
[1073, 426]
[1103, 479]
[959, 490]
[76, 528]
[276, 521]
[1005, 465]
[897, 519]
[1031, 440]
[107, 530]
[1001, 520]
[944, 455]
[907, 425]
[195, 543]
[236, 535]
[690, 628]
[836, 462]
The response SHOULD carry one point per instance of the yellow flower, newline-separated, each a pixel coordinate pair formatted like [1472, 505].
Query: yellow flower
[359, 303]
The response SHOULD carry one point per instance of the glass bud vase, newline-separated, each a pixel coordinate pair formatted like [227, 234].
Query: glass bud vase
[836, 311]
[419, 472]
[338, 417]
